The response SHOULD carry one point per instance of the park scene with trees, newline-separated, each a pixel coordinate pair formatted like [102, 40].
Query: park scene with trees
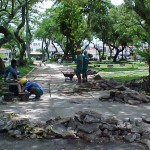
[117, 41]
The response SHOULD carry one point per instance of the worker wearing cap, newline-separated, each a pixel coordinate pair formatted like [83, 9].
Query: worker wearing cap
[79, 65]
[32, 87]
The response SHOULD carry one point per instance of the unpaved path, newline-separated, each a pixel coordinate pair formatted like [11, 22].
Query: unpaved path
[60, 104]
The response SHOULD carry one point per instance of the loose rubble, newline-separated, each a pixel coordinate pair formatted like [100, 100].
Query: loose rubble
[140, 84]
[88, 125]
[127, 97]
[115, 91]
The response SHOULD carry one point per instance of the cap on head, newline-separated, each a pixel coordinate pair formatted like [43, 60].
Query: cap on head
[23, 81]
[79, 50]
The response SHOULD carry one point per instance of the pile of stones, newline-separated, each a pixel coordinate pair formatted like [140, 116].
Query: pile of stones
[115, 91]
[127, 97]
[88, 125]
[140, 85]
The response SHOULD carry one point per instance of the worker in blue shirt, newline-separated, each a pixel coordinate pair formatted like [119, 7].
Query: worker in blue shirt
[79, 65]
[32, 87]
[11, 75]
[11, 71]
[85, 66]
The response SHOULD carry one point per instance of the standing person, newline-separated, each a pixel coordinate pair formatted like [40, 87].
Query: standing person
[11, 73]
[79, 65]
[85, 66]
[32, 87]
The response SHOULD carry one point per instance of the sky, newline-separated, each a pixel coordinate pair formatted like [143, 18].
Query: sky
[48, 4]
[117, 2]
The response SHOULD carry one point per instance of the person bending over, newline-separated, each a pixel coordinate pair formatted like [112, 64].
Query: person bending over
[32, 87]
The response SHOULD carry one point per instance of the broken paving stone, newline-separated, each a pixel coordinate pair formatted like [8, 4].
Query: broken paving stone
[138, 136]
[133, 102]
[108, 126]
[72, 124]
[121, 87]
[2, 122]
[146, 119]
[146, 135]
[82, 115]
[97, 77]
[109, 120]
[88, 128]
[105, 132]
[105, 97]
[146, 142]
[91, 119]
[61, 130]
[138, 121]
[33, 136]
[130, 137]
[136, 130]
[37, 131]
[142, 97]
[90, 137]
[58, 129]
[126, 120]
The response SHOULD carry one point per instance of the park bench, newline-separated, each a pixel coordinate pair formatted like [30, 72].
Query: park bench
[110, 66]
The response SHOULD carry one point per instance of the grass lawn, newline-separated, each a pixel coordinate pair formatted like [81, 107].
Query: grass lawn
[119, 73]
[25, 70]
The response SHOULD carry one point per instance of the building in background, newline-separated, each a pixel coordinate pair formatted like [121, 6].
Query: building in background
[5, 54]
[36, 45]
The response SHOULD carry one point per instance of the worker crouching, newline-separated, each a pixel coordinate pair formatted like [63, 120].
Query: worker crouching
[32, 87]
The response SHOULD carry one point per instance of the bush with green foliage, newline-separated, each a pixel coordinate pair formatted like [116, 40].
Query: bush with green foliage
[52, 59]
[145, 54]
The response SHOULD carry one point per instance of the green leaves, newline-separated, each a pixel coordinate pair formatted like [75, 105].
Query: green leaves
[145, 54]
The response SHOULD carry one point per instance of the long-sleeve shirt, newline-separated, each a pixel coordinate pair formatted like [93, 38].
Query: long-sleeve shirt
[11, 72]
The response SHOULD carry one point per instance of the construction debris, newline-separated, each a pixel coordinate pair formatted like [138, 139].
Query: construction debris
[115, 91]
[88, 125]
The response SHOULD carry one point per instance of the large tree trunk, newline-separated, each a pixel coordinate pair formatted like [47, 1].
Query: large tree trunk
[66, 49]
[28, 34]
[116, 55]
[102, 57]
[7, 35]
[19, 39]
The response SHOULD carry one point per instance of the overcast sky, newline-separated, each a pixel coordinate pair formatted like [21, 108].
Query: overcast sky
[117, 2]
[48, 4]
